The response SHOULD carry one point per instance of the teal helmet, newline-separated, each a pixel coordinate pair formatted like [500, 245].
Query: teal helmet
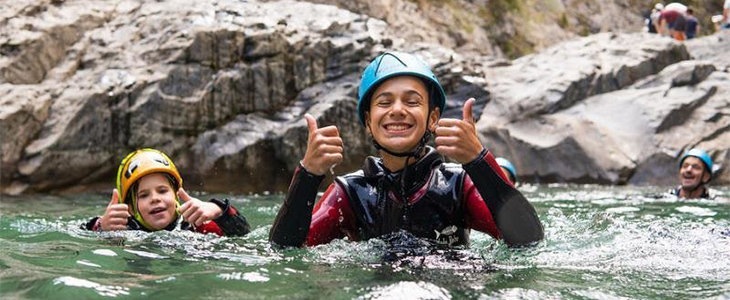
[702, 155]
[391, 64]
[504, 163]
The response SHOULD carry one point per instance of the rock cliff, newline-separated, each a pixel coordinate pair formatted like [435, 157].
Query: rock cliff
[222, 87]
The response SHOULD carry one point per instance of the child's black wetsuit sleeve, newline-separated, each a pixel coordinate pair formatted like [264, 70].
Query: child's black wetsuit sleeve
[513, 214]
[291, 226]
[91, 224]
[231, 222]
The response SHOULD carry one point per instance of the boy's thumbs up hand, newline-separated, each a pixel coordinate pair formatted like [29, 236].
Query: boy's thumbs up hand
[116, 214]
[457, 139]
[197, 212]
[324, 147]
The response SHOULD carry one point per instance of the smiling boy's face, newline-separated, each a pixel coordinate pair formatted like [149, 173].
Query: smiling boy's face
[398, 112]
[156, 200]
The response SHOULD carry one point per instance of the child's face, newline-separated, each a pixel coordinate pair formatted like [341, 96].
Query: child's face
[156, 200]
[398, 113]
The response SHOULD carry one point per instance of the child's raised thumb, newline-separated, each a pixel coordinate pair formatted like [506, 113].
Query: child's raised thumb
[183, 195]
[115, 197]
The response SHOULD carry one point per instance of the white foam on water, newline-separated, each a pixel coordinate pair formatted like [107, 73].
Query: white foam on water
[249, 276]
[622, 209]
[697, 211]
[103, 290]
[87, 263]
[104, 252]
[409, 290]
[145, 254]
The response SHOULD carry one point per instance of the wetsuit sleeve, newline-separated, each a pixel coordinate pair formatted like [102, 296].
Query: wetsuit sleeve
[332, 217]
[513, 215]
[295, 215]
[93, 224]
[478, 215]
[230, 222]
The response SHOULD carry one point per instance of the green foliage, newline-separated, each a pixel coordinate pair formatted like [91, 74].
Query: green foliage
[563, 21]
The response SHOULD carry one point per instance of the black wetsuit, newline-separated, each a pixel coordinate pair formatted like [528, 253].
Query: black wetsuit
[705, 192]
[444, 202]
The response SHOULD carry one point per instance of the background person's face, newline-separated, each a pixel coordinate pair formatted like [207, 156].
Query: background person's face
[692, 173]
[398, 113]
[156, 200]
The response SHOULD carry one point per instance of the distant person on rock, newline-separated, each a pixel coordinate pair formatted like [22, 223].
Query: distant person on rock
[693, 25]
[508, 169]
[695, 172]
[149, 197]
[726, 15]
[653, 17]
[673, 23]
[408, 187]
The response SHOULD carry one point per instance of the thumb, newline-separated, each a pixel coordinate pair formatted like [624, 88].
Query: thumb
[311, 123]
[183, 195]
[115, 197]
[468, 114]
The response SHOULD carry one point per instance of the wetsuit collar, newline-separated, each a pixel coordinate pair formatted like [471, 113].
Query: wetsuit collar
[418, 173]
[705, 191]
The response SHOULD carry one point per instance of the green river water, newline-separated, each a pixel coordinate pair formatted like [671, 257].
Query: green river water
[601, 243]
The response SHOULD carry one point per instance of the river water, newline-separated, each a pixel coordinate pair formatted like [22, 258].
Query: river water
[601, 242]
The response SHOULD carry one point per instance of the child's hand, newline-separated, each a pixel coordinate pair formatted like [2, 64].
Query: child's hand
[197, 212]
[116, 214]
[324, 147]
[457, 139]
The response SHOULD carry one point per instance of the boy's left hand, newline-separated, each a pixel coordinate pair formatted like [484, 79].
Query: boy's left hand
[457, 139]
[197, 212]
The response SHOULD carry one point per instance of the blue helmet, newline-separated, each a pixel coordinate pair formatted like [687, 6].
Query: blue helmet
[391, 64]
[504, 163]
[702, 155]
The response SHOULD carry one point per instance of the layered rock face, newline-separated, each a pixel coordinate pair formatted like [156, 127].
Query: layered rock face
[222, 87]
[610, 109]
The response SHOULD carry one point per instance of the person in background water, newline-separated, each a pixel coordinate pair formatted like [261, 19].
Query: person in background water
[147, 196]
[508, 169]
[695, 171]
[693, 25]
[409, 186]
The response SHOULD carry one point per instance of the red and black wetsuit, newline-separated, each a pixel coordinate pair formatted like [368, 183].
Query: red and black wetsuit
[445, 201]
[230, 223]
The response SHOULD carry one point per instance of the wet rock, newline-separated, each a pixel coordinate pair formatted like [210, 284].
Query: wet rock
[630, 132]
[222, 87]
[218, 86]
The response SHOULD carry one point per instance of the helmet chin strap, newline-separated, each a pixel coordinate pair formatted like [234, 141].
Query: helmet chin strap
[416, 153]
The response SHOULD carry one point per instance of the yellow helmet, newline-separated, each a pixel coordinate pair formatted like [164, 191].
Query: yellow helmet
[138, 164]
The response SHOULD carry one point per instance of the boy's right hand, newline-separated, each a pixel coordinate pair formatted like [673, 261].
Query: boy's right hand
[324, 147]
[116, 214]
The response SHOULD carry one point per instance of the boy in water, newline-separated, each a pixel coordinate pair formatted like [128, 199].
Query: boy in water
[409, 187]
[146, 198]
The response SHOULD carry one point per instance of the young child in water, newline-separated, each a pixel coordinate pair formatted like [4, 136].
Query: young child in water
[148, 197]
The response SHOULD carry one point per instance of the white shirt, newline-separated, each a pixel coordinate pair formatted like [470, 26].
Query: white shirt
[680, 7]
